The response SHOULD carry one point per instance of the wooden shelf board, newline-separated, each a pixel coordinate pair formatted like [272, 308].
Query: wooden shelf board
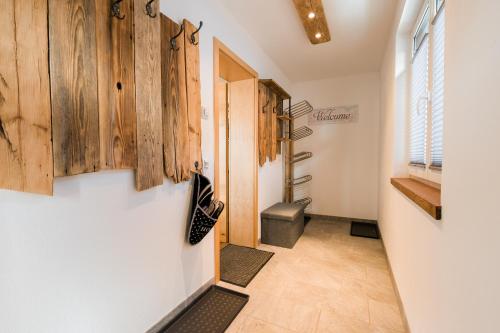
[284, 118]
[425, 196]
[276, 88]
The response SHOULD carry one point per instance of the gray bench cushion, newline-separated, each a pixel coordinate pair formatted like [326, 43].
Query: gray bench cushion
[283, 211]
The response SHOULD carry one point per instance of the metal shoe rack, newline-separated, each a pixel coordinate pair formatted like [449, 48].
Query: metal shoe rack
[291, 135]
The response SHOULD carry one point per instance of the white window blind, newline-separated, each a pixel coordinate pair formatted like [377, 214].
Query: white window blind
[437, 90]
[419, 100]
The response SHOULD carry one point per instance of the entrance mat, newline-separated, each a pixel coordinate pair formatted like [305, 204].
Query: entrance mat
[212, 312]
[361, 229]
[239, 265]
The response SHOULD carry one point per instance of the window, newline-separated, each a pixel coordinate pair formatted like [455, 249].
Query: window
[419, 92]
[426, 93]
[437, 97]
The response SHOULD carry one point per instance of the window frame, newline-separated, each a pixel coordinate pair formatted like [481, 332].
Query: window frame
[434, 7]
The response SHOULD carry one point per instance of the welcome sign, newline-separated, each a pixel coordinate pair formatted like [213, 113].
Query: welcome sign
[334, 115]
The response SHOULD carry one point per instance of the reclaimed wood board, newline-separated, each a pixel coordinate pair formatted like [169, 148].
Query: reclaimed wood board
[273, 139]
[174, 106]
[269, 123]
[73, 77]
[149, 172]
[25, 120]
[115, 70]
[279, 130]
[193, 91]
[263, 109]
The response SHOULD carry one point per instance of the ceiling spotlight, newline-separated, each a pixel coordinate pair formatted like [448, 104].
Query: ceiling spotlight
[311, 15]
[318, 35]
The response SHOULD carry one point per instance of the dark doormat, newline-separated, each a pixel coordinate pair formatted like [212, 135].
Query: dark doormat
[239, 265]
[212, 312]
[361, 229]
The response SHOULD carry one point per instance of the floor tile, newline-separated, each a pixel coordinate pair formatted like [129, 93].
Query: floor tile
[329, 282]
[258, 326]
[286, 312]
[385, 316]
[331, 321]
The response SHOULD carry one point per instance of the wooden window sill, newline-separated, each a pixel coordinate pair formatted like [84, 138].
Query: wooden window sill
[425, 196]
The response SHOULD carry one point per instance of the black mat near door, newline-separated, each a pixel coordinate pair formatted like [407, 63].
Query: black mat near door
[212, 312]
[362, 229]
[239, 265]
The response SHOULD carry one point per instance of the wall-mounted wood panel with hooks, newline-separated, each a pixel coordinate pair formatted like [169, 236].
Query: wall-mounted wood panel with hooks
[96, 99]
[193, 90]
[174, 103]
[116, 89]
[149, 172]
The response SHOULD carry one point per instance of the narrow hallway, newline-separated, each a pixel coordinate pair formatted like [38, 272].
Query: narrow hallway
[329, 282]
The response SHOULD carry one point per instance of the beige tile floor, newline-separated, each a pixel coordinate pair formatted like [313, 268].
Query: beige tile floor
[329, 282]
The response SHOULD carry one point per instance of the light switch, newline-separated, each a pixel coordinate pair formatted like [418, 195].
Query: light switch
[204, 113]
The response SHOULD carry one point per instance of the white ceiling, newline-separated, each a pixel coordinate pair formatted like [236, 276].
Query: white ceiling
[359, 30]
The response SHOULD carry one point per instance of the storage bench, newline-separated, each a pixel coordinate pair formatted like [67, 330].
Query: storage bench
[282, 224]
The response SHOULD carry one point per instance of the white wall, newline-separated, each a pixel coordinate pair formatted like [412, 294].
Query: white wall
[101, 257]
[447, 271]
[345, 162]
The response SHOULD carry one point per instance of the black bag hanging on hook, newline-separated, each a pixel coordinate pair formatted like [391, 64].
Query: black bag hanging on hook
[204, 209]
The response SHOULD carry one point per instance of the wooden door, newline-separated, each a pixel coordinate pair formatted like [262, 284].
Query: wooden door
[243, 163]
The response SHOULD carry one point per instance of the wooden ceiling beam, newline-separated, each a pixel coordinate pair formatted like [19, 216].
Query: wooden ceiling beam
[316, 27]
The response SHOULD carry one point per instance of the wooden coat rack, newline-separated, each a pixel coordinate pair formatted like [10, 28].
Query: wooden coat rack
[111, 101]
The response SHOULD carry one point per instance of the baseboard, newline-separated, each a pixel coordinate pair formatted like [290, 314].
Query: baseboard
[179, 308]
[396, 289]
[338, 218]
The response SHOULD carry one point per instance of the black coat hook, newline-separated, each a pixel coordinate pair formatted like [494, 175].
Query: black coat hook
[193, 35]
[173, 40]
[115, 10]
[198, 167]
[149, 9]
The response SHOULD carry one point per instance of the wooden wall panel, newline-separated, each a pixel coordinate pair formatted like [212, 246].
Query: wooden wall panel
[262, 109]
[279, 131]
[273, 139]
[174, 105]
[73, 76]
[115, 69]
[193, 89]
[149, 172]
[269, 123]
[25, 125]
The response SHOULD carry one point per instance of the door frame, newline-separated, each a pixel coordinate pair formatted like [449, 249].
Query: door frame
[240, 70]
